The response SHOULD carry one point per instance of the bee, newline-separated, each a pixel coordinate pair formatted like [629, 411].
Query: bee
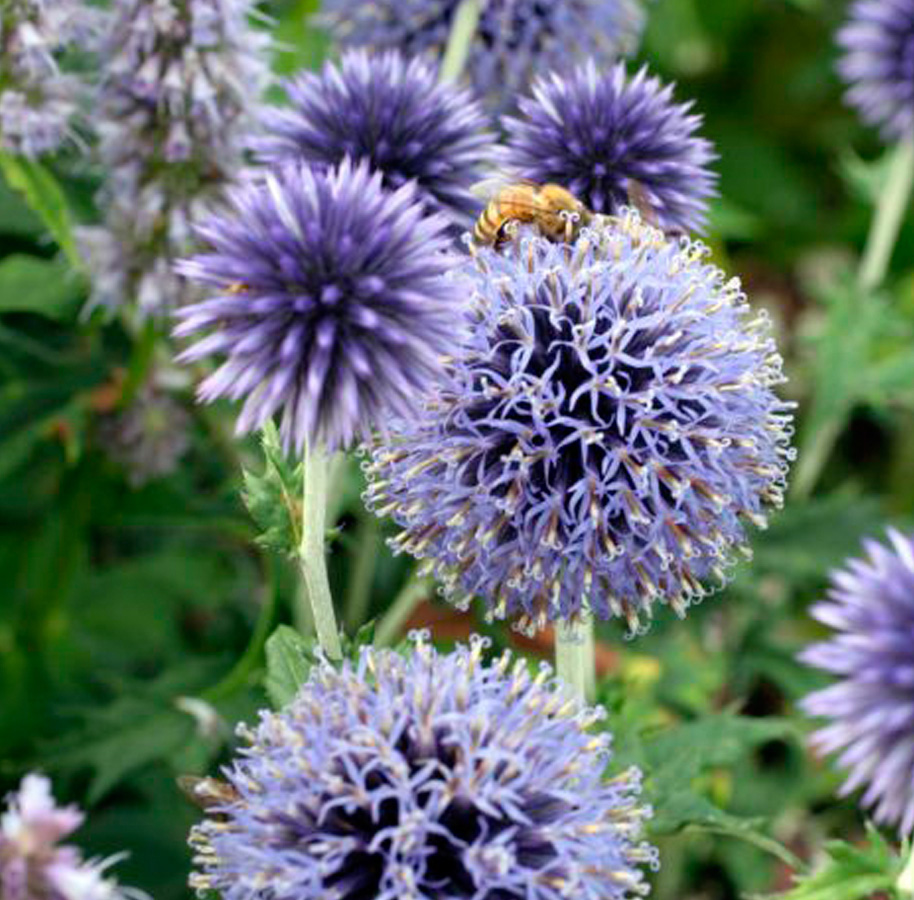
[207, 792]
[556, 212]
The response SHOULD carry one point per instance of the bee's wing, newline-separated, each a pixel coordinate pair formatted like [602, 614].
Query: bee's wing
[638, 198]
[206, 792]
[489, 187]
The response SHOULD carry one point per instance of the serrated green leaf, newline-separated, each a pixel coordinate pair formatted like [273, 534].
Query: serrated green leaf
[44, 286]
[850, 872]
[289, 661]
[43, 194]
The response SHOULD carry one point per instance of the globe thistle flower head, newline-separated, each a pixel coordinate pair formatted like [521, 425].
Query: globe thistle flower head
[514, 39]
[429, 777]
[330, 302]
[597, 132]
[870, 707]
[878, 64]
[392, 113]
[602, 436]
[35, 866]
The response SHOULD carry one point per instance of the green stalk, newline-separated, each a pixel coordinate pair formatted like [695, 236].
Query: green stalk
[358, 594]
[463, 30]
[905, 883]
[574, 657]
[397, 616]
[311, 550]
[874, 266]
[890, 209]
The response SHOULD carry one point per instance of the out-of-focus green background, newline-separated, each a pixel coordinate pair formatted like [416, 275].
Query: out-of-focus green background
[119, 602]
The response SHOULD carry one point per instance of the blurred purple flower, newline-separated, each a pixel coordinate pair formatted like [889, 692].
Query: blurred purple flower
[434, 777]
[606, 430]
[878, 64]
[33, 866]
[148, 437]
[331, 305]
[392, 113]
[515, 38]
[871, 707]
[37, 100]
[181, 82]
[595, 132]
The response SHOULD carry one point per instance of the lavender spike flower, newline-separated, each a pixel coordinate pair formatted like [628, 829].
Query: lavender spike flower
[515, 38]
[870, 606]
[878, 64]
[34, 866]
[181, 82]
[37, 100]
[597, 132]
[392, 113]
[331, 302]
[426, 778]
[605, 431]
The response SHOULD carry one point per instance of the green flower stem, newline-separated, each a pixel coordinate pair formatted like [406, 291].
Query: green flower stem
[415, 590]
[463, 30]
[889, 214]
[312, 554]
[905, 883]
[358, 594]
[890, 209]
[574, 657]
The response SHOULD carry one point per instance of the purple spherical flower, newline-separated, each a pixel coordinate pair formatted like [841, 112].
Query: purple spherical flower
[871, 707]
[596, 132]
[331, 303]
[392, 113]
[514, 40]
[605, 431]
[878, 64]
[35, 866]
[430, 777]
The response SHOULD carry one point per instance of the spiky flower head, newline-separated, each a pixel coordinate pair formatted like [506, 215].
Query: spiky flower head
[514, 40]
[878, 64]
[870, 707]
[330, 302]
[430, 777]
[180, 84]
[597, 131]
[149, 436]
[604, 433]
[392, 113]
[34, 865]
[37, 99]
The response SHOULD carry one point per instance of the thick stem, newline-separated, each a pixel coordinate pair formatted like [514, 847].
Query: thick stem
[463, 30]
[415, 590]
[311, 551]
[574, 657]
[887, 219]
[890, 209]
[905, 883]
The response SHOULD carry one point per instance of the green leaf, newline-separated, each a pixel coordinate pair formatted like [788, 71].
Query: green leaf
[850, 873]
[47, 287]
[289, 661]
[273, 497]
[45, 196]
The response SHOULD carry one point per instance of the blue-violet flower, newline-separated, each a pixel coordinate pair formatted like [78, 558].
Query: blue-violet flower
[392, 113]
[430, 777]
[595, 132]
[870, 606]
[603, 434]
[331, 305]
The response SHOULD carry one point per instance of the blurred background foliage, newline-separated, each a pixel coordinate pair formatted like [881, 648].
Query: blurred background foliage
[133, 619]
